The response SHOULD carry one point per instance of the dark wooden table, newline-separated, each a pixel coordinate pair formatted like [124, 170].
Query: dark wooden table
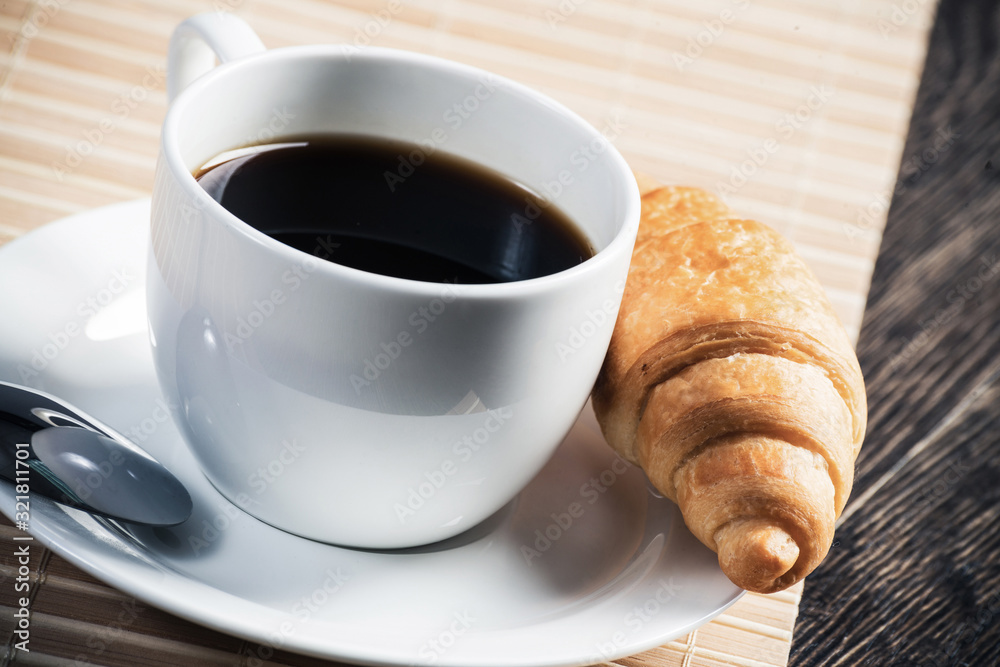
[914, 575]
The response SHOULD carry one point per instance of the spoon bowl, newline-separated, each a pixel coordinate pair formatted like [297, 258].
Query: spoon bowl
[59, 452]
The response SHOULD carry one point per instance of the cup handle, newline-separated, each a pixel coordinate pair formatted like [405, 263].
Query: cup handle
[198, 41]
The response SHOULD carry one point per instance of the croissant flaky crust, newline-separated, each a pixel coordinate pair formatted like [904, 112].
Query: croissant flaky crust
[731, 381]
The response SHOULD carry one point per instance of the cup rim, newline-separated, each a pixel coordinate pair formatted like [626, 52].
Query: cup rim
[622, 241]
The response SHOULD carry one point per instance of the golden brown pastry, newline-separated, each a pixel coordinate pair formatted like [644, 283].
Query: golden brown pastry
[731, 381]
[668, 208]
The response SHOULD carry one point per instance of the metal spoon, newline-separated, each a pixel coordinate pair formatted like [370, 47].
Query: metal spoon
[52, 449]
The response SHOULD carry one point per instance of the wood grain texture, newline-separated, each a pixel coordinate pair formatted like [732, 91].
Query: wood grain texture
[795, 112]
[915, 575]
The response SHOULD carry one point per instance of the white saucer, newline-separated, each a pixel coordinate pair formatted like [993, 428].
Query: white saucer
[585, 565]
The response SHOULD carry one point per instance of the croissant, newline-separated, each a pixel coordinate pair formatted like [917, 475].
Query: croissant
[731, 381]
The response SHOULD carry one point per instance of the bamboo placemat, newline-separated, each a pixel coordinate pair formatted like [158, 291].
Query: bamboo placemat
[795, 113]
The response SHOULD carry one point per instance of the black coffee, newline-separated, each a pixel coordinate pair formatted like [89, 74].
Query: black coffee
[396, 209]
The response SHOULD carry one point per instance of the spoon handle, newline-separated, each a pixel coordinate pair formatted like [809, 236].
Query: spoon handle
[44, 410]
[23, 412]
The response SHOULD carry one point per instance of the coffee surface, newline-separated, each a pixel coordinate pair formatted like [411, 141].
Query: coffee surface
[396, 209]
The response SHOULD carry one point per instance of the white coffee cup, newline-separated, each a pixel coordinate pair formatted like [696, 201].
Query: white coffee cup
[356, 408]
